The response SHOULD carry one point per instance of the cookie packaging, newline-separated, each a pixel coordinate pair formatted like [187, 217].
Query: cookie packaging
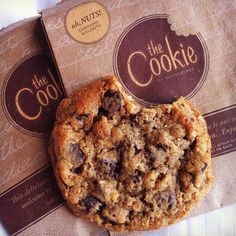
[159, 50]
[30, 93]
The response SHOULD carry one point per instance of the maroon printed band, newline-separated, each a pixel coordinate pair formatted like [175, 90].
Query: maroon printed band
[222, 129]
[29, 201]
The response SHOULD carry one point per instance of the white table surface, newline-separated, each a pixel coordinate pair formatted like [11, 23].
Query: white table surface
[221, 222]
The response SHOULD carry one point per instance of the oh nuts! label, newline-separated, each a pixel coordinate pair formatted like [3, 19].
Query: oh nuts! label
[88, 22]
[159, 66]
[31, 94]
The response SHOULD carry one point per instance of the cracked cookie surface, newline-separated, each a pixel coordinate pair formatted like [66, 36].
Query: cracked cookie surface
[127, 167]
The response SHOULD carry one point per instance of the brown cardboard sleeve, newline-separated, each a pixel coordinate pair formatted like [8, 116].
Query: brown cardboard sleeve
[28, 190]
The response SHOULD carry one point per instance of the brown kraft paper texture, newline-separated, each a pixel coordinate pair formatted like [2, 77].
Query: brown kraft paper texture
[159, 50]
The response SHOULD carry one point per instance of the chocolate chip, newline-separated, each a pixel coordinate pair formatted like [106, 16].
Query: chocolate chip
[76, 170]
[187, 152]
[137, 179]
[136, 150]
[192, 145]
[131, 215]
[91, 204]
[110, 167]
[169, 198]
[76, 153]
[145, 213]
[81, 116]
[204, 167]
[138, 173]
[82, 121]
[162, 146]
[150, 158]
[161, 176]
[101, 112]
[111, 101]
[87, 128]
[133, 117]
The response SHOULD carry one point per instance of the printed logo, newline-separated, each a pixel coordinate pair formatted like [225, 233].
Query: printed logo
[88, 22]
[31, 94]
[156, 65]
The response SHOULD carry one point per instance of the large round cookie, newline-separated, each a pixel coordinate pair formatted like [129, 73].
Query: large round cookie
[127, 167]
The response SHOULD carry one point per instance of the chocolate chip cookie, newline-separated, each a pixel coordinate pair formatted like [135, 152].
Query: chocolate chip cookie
[127, 167]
